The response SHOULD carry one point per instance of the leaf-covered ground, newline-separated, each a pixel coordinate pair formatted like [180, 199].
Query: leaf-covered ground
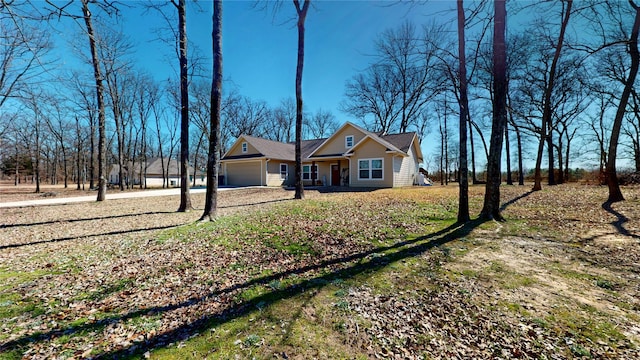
[374, 274]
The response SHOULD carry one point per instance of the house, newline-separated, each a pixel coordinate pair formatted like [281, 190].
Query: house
[152, 176]
[351, 156]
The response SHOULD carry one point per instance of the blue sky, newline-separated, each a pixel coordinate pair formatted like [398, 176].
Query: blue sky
[260, 49]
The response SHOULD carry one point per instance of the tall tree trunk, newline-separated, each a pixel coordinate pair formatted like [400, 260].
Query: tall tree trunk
[78, 155]
[195, 158]
[37, 154]
[560, 164]
[185, 198]
[463, 185]
[610, 172]
[508, 153]
[550, 149]
[65, 167]
[102, 146]
[213, 160]
[520, 161]
[491, 207]
[566, 161]
[302, 15]
[16, 180]
[446, 145]
[518, 141]
[441, 154]
[92, 151]
[474, 179]
[547, 124]
[119, 136]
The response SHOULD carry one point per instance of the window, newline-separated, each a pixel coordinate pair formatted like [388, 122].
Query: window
[348, 141]
[306, 172]
[370, 169]
[284, 170]
[244, 147]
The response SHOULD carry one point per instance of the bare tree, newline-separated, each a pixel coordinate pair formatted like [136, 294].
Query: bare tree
[143, 100]
[463, 185]
[22, 53]
[31, 101]
[211, 201]
[321, 124]
[301, 11]
[281, 120]
[112, 48]
[185, 198]
[491, 207]
[84, 100]
[395, 89]
[632, 130]
[59, 128]
[102, 148]
[547, 122]
[615, 194]
[246, 116]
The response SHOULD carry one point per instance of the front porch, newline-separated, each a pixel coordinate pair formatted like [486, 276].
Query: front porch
[326, 172]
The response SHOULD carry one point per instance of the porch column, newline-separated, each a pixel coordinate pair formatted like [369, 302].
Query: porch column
[313, 173]
[339, 175]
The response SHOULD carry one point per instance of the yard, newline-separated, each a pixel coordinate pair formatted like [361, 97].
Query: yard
[371, 274]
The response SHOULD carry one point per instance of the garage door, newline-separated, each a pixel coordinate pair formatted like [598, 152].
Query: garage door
[244, 173]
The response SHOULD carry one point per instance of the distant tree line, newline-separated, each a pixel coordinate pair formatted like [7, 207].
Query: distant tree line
[570, 72]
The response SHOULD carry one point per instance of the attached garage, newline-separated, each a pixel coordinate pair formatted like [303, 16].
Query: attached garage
[244, 173]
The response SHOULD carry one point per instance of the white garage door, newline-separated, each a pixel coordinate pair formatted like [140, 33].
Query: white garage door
[244, 173]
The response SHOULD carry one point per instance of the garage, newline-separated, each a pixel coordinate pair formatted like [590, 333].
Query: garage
[245, 173]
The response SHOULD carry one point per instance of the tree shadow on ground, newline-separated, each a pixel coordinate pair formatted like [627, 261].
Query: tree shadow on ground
[515, 199]
[255, 203]
[363, 262]
[370, 260]
[4, 226]
[620, 221]
[69, 238]
[340, 189]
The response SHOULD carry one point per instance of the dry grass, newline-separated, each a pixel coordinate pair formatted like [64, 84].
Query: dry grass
[560, 276]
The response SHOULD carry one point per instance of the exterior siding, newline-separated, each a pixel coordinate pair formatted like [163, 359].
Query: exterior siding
[237, 150]
[371, 150]
[336, 144]
[273, 173]
[157, 181]
[244, 173]
[405, 169]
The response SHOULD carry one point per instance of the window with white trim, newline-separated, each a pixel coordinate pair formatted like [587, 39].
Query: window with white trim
[370, 169]
[284, 170]
[245, 147]
[307, 173]
[348, 141]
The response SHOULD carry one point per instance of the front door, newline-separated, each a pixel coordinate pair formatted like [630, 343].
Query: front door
[335, 175]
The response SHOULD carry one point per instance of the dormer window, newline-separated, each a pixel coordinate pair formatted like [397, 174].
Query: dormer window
[348, 141]
[244, 147]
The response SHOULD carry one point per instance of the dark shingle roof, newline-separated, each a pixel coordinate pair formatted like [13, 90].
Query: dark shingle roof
[272, 149]
[402, 141]
[286, 151]
[309, 146]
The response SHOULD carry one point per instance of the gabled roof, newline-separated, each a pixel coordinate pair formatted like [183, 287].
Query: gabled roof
[271, 149]
[154, 167]
[401, 141]
[321, 144]
[309, 146]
